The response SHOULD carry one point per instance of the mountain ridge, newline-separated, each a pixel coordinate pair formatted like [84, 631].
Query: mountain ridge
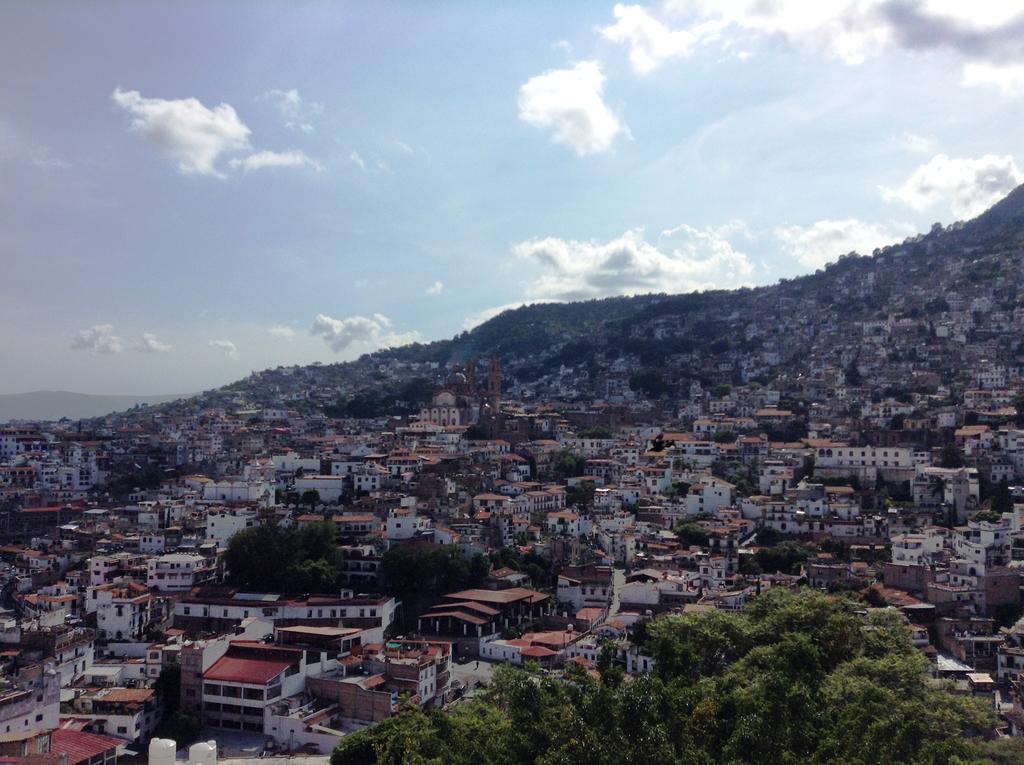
[58, 404]
[769, 333]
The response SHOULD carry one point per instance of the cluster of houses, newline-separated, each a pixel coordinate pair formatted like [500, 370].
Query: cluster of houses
[595, 516]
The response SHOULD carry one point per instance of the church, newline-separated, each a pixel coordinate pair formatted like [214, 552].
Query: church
[460, 401]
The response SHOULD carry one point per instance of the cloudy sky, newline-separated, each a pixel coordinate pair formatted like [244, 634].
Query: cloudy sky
[192, 191]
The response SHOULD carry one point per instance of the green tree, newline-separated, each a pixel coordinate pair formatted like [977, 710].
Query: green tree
[568, 465]
[951, 456]
[692, 533]
[420, 576]
[270, 558]
[181, 727]
[580, 495]
[785, 557]
[798, 677]
[1002, 499]
[168, 689]
[650, 382]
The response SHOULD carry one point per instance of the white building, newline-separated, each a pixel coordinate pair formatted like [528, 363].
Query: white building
[177, 572]
[222, 523]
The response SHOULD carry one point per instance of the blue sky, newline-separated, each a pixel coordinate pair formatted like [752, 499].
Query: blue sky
[192, 191]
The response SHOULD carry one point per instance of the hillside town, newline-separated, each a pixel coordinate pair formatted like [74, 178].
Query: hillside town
[288, 578]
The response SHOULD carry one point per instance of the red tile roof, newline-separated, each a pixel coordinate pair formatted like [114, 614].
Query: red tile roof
[537, 652]
[234, 669]
[510, 595]
[81, 746]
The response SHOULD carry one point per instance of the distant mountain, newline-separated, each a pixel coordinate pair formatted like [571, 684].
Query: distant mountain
[906, 316]
[57, 404]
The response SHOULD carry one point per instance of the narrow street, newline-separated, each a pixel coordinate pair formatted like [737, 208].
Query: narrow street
[618, 580]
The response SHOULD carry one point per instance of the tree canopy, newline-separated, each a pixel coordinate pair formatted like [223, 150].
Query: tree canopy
[795, 678]
[274, 559]
[419, 576]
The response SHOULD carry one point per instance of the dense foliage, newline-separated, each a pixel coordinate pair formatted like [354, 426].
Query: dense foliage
[419, 576]
[796, 678]
[274, 559]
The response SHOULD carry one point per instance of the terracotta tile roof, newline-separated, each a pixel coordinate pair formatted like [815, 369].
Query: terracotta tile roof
[234, 669]
[127, 695]
[537, 652]
[510, 595]
[81, 746]
[456, 615]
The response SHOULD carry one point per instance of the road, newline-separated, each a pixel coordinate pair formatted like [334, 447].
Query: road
[473, 672]
[618, 580]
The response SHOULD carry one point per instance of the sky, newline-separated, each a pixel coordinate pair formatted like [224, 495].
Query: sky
[192, 191]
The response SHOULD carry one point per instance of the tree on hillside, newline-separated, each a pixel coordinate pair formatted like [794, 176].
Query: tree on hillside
[419, 576]
[273, 559]
[951, 456]
[795, 678]
[568, 465]
[1002, 499]
[650, 382]
[784, 558]
[692, 533]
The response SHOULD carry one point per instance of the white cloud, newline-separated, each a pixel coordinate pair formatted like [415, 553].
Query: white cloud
[281, 331]
[650, 42]
[357, 159]
[824, 241]
[228, 348]
[914, 142]
[489, 313]
[850, 31]
[989, 31]
[684, 259]
[298, 113]
[290, 158]
[188, 132]
[964, 185]
[99, 338]
[372, 332]
[375, 165]
[569, 103]
[150, 343]
[1009, 79]
[15, 147]
[436, 288]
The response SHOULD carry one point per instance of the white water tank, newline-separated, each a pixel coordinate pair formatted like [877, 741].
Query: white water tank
[161, 751]
[203, 753]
